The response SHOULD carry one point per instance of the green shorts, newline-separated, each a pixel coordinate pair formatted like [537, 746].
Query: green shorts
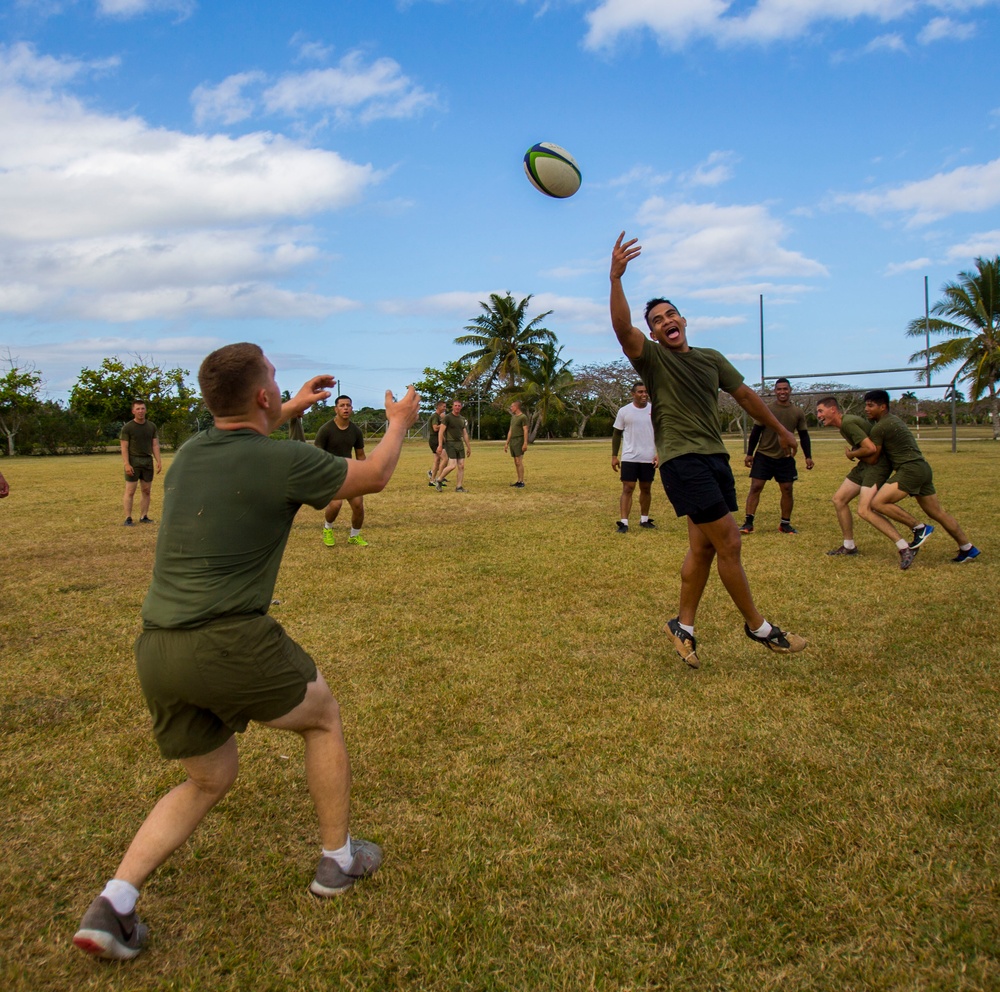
[857, 474]
[142, 467]
[914, 478]
[455, 450]
[516, 448]
[204, 684]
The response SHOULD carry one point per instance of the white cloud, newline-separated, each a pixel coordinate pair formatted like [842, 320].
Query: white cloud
[226, 102]
[982, 245]
[715, 170]
[898, 268]
[967, 189]
[886, 43]
[945, 29]
[694, 244]
[678, 22]
[107, 217]
[125, 9]
[742, 294]
[643, 175]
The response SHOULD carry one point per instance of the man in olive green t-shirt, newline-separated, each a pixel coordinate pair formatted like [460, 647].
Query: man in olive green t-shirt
[517, 441]
[683, 384]
[210, 659]
[453, 440]
[912, 476]
[140, 443]
[864, 478]
[434, 440]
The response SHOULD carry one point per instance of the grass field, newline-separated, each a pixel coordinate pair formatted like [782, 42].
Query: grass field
[563, 804]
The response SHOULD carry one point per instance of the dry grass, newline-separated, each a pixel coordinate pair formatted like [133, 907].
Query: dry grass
[563, 804]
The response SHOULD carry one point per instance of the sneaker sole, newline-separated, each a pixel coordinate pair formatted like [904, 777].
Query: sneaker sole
[686, 652]
[324, 892]
[795, 645]
[101, 944]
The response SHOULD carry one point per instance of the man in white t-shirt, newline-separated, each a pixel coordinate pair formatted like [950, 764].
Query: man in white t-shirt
[632, 437]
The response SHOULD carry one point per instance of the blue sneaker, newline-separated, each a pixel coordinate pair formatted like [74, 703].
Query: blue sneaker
[971, 555]
[920, 534]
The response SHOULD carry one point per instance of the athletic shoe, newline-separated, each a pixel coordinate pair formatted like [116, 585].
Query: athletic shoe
[648, 524]
[622, 527]
[430, 475]
[778, 640]
[128, 522]
[920, 534]
[106, 934]
[331, 879]
[358, 540]
[747, 527]
[459, 489]
[432, 484]
[842, 551]
[684, 643]
[438, 485]
[786, 529]
[519, 485]
[145, 520]
[329, 537]
[971, 555]
[906, 556]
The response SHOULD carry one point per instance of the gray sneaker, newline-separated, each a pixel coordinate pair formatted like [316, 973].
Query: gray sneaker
[906, 556]
[105, 934]
[331, 879]
[842, 551]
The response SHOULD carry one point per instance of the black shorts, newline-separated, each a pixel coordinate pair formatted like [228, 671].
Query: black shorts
[432, 440]
[700, 486]
[143, 469]
[637, 471]
[780, 469]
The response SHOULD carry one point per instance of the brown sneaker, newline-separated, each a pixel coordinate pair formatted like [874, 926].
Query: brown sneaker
[778, 640]
[842, 551]
[684, 643]
[105, 934]
[906, 556]
[331, 879]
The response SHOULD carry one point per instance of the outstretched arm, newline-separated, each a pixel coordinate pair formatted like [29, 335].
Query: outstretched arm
[319, 387]
[629, 336]
[760, 412]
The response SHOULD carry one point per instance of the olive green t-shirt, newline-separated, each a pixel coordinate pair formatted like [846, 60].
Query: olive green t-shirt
[436, 422]
[454, 427]
[854, 429]
[335, 440]
[897, 440]
[684, 390]
[229, 500]
[140, 439]
[791, 417]
[517, 424]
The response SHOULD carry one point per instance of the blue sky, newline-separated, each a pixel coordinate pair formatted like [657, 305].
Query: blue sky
[341, 181]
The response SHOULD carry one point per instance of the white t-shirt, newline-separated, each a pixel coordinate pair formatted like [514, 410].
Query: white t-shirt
[636, 425]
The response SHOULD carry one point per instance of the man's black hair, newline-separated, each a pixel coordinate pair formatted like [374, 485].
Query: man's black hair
[655, 303]
[879, 396]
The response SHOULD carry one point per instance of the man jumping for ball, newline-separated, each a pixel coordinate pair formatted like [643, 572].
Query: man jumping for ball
[210, 660]
[683, 385]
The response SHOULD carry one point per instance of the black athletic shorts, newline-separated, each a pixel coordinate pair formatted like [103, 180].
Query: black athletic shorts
[765, 467]
[700, 486]
[637, 471]
[433, 441]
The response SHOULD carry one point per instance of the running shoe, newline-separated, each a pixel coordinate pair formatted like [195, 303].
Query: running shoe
[648, 524]
[906, 556]
[460, 489]
[331, 879]
[329, 537]
[971, 555]
[842, 551]
[622, 527]
[786, 529]
[358, 540]
[438, 485]
[684, 643]
[128, 522]
[106, 934]
[145, 520]
[778, 640]
[747, 527]
[920, 534]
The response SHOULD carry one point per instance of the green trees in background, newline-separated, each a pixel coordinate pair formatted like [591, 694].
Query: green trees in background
[968, 314]
[19, 387]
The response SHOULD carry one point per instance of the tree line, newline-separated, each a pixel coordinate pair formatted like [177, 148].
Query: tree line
[510, 357]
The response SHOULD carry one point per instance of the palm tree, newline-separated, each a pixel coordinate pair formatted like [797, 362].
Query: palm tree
[546, 383]
[503, 343]
[969, 313]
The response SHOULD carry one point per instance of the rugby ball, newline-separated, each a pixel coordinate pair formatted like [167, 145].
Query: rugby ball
[552, 170]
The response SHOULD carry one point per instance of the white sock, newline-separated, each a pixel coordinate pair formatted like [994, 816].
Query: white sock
[965, 547]
[327, 526]
[355, 531]
[642, 520]
[121, 895]
[763, 630]
[902, 545]
[625, 521]
[849, 544]
[689, 627]
[342, 855]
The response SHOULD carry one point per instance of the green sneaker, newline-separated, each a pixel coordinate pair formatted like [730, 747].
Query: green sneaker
[329, 537]
[358, 540]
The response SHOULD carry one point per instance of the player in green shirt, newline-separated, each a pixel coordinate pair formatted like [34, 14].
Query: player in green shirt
[342, 438]
[517, 441]
[210, 660]
[683, 385]
[140, 443]
[453, 441]
[434, 440]
[912, 476]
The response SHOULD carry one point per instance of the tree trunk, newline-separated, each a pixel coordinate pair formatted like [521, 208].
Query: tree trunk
[995, 410]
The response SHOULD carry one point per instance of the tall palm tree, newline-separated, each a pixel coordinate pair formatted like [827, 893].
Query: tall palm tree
[546, 383]
[969, 313]
[502, 342]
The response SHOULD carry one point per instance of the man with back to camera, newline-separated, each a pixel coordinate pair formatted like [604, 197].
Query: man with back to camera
[209, 658]
[683, 385]
[863, 479]
[453, 435]
[911, 476]
[517, 441]
[632, 437]
[140, 443]
[342, 438]
[771, 462]
[439, 459]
